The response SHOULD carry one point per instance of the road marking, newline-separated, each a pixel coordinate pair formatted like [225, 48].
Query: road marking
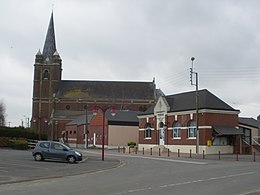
[209, 179]
[152, 158]
[191, 182]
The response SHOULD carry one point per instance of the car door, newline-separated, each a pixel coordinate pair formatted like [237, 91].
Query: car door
[58, 151]
[44, 148]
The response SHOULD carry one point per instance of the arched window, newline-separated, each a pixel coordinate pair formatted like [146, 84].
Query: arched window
[176, 130]
[192, 131]
[148, 130]
[46, 74]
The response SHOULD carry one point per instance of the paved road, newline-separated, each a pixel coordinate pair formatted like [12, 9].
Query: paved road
[152, 175]
[18, 165]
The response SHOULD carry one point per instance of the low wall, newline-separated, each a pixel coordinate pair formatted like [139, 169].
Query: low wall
[187, 148]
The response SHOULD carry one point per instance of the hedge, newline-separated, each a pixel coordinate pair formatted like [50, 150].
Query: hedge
[18, 144]
[20, 132]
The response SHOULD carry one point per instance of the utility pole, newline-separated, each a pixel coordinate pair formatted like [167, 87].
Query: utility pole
[197, 103]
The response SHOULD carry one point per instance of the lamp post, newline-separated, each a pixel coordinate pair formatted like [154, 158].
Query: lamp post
[39, 119]
[103, 110]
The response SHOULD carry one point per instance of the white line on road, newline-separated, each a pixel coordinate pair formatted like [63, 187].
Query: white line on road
[187, 182]
[209, 179]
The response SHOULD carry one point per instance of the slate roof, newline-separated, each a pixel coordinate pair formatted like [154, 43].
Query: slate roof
[81, 120]
[187, 101]
[249, 122]
[123, 116]
[72, 89]
[49, 46]
[227, 130]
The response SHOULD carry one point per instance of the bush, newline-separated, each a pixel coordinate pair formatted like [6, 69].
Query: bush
[20, 132]
[131, 144]
[18, 144]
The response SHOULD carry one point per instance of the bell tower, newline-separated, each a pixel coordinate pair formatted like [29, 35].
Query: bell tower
[47, 76]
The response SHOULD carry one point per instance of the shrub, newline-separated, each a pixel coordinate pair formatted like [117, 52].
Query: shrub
[131, 144]
[20, 132]
[18, 144]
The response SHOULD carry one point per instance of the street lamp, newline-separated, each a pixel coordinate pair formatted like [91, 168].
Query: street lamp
[113, 113]
[35, 119]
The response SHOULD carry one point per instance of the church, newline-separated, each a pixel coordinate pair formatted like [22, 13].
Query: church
[56, 102]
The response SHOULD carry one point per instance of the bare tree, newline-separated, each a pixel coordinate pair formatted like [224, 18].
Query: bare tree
[2, 114]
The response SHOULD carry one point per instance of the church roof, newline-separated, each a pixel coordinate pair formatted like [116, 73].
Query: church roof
[108, 90]
[49, 46]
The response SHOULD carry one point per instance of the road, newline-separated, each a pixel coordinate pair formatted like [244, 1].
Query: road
[151, 175]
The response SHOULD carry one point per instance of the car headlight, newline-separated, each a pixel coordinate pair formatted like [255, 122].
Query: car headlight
[78, 153]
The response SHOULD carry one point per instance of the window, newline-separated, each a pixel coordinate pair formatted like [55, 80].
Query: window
[45, 144]
[56, 146]
[192, 131]
[221, 141]
[46, 74]
[247, 133]
[148, 131]
[67, 107]
[176, 130]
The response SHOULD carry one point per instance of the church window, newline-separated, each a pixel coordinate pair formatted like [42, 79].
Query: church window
[46, 74]
[68, 107]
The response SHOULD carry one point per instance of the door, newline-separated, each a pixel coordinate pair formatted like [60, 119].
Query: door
[162, 135]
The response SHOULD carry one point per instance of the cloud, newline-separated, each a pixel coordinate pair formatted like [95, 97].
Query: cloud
[136, 40]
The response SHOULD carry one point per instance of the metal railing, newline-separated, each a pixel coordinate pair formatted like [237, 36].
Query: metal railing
[31, 143]
[256, 140]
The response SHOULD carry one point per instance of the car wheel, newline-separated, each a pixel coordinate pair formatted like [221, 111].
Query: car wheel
[71, 159]
[38, 157]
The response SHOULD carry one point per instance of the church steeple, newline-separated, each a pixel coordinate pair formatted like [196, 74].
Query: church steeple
[49, 46]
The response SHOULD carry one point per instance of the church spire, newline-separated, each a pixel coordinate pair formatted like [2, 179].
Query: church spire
[49, 46]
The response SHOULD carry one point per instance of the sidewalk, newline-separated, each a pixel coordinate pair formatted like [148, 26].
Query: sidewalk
[165, 154]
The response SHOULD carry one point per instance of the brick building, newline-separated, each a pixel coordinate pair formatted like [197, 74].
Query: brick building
[56, 102]
[118, 130]
[171, 123]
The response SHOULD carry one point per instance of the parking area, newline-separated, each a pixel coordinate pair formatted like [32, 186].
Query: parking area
[19, 165]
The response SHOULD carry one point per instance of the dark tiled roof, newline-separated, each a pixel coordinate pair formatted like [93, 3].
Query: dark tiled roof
[227, 130]
[249, 122]
[123, 116]
[187, 101]
[108, 90]
[49, 45]
[81, 120]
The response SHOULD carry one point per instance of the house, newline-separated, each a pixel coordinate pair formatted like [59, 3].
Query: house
[171, 123]
[53, 96]
[251, 131]
[118, 130]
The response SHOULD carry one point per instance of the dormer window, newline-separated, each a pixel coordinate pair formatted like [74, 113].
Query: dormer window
[46, 74]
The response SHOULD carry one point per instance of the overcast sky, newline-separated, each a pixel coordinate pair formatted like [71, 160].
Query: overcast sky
[135, 40]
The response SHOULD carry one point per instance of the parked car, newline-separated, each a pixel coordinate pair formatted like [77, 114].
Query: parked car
[55, 151]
